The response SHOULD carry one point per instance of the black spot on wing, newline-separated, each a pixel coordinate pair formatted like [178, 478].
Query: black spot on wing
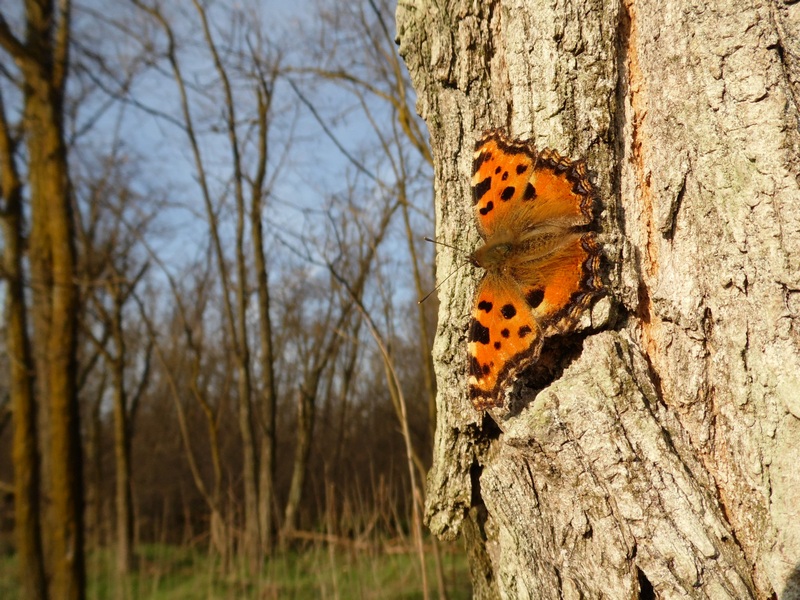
[524, 331]
[508, 311]
[534, 297]
[487, 209]
[529, 193]
[521, 169]
[505, 176]
[485, 306]
[507, 193]
[497, 345]
[497, 170]
[478, 333]
[480, 189]
[475, 367]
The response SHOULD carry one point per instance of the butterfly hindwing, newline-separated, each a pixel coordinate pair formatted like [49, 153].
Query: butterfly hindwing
[559, 286]
[504, 338]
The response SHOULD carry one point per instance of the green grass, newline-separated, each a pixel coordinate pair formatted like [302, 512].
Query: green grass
[178, 573]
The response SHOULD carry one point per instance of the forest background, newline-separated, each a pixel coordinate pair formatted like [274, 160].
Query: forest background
[225, 204]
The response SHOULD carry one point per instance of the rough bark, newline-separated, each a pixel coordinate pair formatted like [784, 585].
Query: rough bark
[662, 460]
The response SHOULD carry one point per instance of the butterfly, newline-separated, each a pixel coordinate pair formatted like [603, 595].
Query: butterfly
[534, 211]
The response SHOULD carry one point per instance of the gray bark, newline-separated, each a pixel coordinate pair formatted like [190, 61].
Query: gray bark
[663, 459]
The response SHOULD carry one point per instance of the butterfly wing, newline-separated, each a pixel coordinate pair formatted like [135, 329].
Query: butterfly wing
[516, 310]
[514, 186]
[558, 287]
[504, 338]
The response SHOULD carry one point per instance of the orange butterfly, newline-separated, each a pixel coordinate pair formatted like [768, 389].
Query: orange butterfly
[542, 264]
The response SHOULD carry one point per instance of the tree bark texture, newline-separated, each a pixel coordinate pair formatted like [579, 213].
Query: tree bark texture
[663, 460]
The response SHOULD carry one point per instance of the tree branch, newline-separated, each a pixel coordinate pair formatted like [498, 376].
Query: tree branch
[12, 44]
[62, 44]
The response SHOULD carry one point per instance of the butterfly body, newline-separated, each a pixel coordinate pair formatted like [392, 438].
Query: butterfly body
[533, 210]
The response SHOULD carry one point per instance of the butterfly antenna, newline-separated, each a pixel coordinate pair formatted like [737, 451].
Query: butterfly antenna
[441, 283]
[427, 239]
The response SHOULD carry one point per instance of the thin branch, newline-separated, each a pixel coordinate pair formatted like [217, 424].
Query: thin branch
[12, 43]
[330, 133]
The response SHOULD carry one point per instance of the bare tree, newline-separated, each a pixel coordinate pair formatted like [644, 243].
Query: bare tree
[119, 289]
[401, 408]
[184, 355]
[355, 261]
[264, 75]
[110, 271]
[662, 461]
[357, 53]
[252, 63]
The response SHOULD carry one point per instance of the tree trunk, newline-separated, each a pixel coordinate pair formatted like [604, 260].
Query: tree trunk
[267, 464]
[43, 62]
[306, 397]
[94, 470]
[51, 241]
[27, 520]
[251, 534]
[122, 441]
[662, 462]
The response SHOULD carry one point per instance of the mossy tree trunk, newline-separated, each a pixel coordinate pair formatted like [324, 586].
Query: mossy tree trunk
[663, 460]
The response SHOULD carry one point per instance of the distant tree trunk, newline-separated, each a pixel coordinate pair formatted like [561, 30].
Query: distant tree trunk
[122, 437]
[237, 317]
[43, 60]
[27, 520]
[235, 311]
[94, 469]
[663, 461]
[306, 409]
[267, 462]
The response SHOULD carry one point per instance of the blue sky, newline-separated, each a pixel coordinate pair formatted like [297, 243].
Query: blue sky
[164, 165]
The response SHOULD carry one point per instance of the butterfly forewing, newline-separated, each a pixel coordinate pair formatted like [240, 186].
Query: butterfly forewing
[500, 180]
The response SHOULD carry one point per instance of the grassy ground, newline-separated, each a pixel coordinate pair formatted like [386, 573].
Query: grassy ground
[174, 573]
